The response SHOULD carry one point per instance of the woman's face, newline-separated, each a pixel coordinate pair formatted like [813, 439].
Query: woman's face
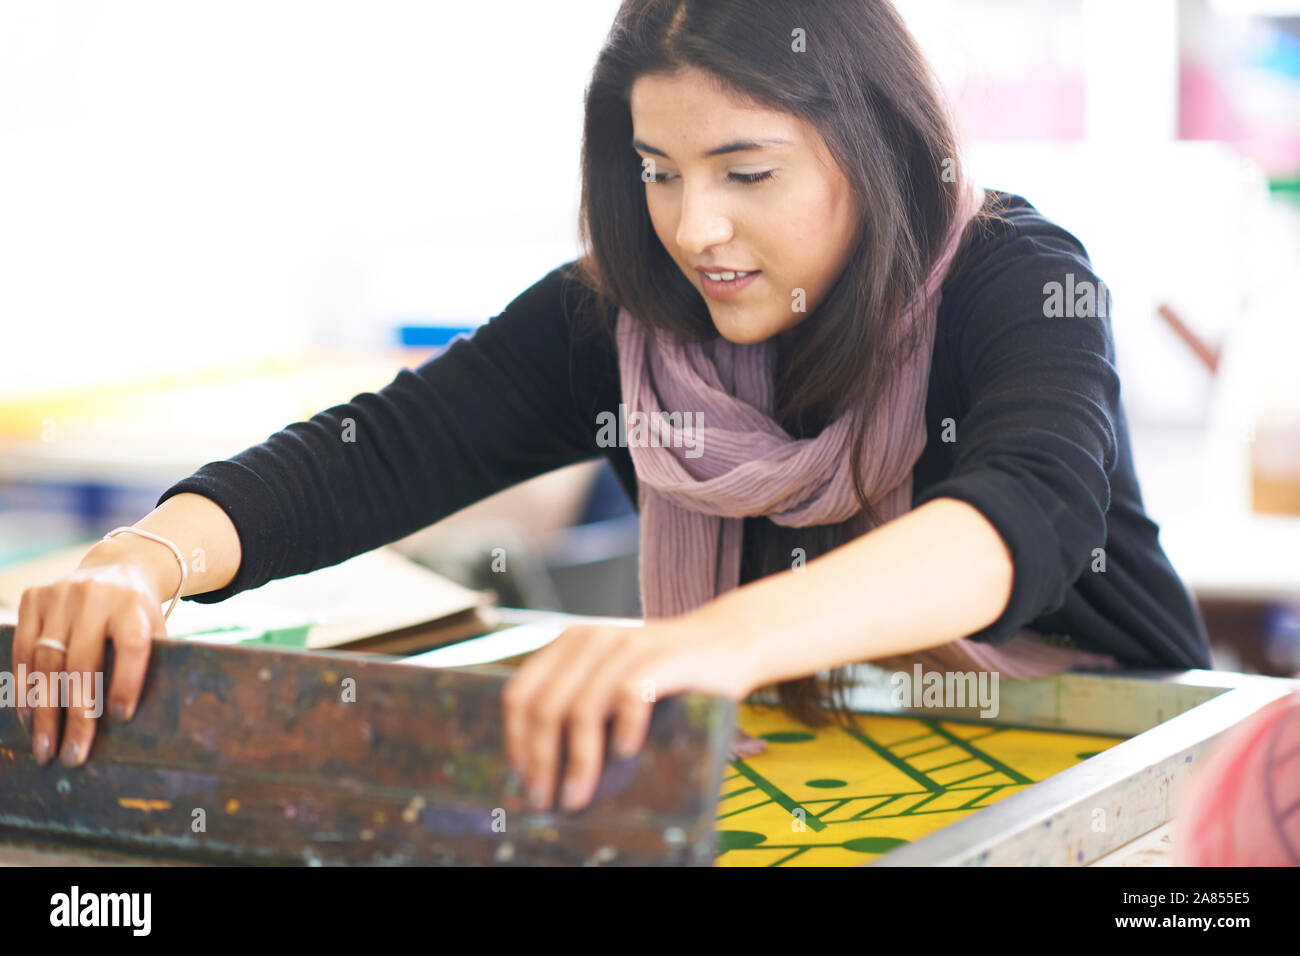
[793, 227]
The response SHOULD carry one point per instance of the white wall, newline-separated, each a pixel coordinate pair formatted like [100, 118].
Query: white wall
[181, 182]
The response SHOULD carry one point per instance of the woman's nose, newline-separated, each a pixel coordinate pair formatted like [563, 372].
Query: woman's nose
[703, 222]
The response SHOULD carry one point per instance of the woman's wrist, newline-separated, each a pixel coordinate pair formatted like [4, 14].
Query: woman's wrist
[153, 560]
[716, 623]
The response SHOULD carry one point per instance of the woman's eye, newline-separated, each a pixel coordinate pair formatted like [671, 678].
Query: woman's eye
[745, 178]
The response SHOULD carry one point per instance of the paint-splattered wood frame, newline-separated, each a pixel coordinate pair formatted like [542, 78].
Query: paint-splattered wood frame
[412, 781]
[1074, 817]
[252, 754]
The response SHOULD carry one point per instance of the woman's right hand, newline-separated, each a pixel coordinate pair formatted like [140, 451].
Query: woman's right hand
[108, 596]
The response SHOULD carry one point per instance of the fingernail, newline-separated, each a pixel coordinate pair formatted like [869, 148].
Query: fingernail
[42, 748]
[623, 748]
[572, 795]
[22, 716]
[539, 797]
[117, 710]
[71, 755]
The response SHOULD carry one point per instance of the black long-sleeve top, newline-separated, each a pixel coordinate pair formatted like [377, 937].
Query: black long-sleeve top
[1042, 451]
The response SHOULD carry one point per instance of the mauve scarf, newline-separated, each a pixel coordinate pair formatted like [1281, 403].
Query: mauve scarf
[695, 487]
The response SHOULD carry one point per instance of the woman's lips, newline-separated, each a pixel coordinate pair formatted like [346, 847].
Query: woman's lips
[727, 290]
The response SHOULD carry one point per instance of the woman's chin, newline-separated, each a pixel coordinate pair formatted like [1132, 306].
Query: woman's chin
[743, 336]
[748, 334]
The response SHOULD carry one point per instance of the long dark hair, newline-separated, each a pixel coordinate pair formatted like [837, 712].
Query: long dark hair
[863, 83]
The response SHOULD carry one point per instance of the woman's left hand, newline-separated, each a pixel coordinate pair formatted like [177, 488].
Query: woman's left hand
[589, 674]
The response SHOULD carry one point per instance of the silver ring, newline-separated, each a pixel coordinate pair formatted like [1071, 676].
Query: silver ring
[53, 644]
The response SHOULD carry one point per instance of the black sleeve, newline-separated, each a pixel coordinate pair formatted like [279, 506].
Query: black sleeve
[1038, 443]
[490, 411]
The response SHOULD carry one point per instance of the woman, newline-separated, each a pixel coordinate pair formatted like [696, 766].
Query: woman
[883, 441]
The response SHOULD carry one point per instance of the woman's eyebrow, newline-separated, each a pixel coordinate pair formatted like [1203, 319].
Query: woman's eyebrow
[735, 146]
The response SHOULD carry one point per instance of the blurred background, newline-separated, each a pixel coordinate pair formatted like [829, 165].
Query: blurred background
[220, 218]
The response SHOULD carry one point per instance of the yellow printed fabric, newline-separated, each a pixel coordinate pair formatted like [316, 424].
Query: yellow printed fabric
[835, 797]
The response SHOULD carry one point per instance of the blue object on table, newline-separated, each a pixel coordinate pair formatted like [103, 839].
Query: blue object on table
[426, 336]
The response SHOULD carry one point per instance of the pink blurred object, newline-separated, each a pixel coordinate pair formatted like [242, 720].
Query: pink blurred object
[1241, 806]
[743, 745]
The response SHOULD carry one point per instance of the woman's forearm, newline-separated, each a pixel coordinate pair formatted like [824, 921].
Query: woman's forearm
[203, 532]
[929, 577]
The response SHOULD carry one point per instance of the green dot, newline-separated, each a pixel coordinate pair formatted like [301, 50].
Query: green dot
[825, 783]
[738, 840]
[788, 737]
[1087, 753]
[873, 844]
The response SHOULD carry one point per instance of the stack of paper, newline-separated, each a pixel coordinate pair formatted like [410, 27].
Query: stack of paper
[378, 601]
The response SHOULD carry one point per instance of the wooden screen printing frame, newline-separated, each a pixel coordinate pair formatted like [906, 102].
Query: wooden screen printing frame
[412, 771]
[661, 805]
